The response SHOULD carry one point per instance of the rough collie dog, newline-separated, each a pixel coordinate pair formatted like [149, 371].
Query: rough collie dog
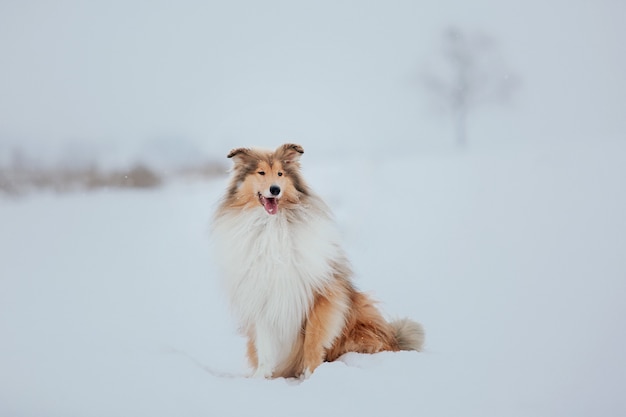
[287, 276]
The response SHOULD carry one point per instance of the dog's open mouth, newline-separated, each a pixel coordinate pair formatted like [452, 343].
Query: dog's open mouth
[269, 203]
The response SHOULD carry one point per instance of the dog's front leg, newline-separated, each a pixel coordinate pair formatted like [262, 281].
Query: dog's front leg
[266, 353]
[323, 325]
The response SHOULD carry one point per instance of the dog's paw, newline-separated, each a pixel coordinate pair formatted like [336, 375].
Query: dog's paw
[262, 372]
[306, 374]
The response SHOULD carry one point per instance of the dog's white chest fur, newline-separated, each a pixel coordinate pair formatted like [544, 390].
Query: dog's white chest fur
[273, 265]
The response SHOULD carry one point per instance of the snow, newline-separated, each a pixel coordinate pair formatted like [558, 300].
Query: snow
[512, 259]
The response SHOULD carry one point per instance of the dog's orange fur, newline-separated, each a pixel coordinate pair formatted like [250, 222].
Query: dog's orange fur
[364, 329]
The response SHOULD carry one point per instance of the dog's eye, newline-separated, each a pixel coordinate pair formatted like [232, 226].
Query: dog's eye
[280, 174]
[261, 172]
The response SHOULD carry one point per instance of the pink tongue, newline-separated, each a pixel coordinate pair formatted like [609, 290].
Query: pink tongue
[271, 205]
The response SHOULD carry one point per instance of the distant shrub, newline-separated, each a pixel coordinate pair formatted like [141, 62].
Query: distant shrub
[207, 170]
[7, 184]
[21, 178]
[139, 176]
[19, 181]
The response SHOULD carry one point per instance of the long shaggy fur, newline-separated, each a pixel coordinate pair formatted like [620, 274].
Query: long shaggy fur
[287, 277]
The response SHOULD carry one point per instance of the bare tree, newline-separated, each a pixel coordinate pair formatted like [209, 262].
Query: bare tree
[469, 74]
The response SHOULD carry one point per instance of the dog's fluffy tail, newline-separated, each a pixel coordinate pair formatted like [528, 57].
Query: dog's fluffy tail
[409, 334]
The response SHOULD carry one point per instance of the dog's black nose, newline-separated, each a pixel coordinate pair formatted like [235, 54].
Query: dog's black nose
[274, 190]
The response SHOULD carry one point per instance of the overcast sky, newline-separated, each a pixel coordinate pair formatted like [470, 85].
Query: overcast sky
[330, 74]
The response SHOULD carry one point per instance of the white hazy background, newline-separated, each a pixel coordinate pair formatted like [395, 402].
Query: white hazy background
[110, 78]
[511, 251]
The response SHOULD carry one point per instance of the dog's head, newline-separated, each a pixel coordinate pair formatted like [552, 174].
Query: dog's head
[268, 179]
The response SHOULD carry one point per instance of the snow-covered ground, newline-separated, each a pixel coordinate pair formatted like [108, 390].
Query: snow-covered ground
[514, 261]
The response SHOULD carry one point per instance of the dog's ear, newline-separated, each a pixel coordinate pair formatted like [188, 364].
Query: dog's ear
[239, 155]
[289, 153]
